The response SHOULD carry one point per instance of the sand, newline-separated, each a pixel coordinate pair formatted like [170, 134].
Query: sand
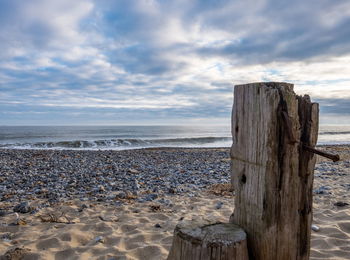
[106, 232]
[95, 230]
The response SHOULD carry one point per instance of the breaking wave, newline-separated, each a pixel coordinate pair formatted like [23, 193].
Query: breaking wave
[335, 133]
[125, 143]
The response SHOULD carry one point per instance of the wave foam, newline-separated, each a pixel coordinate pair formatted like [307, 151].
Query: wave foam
[123, 143]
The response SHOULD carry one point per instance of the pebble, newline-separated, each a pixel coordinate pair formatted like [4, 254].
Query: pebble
[171, 191]
[341, 204]
[134, 171]
[7, 237]
[322, 190]
[121, 195]
[17, 217]
[22, 207]
[219, 205]
[99, 239]
[82, 207]
[118, 203]
[136, 185]
[19, 221]
[315, 228]
[150, 197]
[157, 225]
[166, 202]
[61, 175]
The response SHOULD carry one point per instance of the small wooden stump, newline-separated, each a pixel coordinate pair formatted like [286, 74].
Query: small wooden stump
[208, 241]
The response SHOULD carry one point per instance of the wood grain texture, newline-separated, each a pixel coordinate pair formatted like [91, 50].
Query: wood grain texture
[271, 173]
[208, 241]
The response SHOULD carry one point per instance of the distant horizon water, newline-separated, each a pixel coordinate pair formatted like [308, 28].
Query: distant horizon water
[133, 137]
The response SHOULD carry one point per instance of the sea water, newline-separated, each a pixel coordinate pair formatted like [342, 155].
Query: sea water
[132, 137]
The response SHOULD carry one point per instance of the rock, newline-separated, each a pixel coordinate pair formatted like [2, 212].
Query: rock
[166, 202]
[22, 207]
[134, 171]
[17, 217]
[99, 239]
[136, 185]
[2, 213]
[157, 225]
[7, 237]
[19, 221]
[219, 205]
[111, 197]
[140, 200]
[80, 209]
[121, 195]
[155, 208]
[341, 204]
[101, 188]
[151, 197]
[118, 203]
[322, 190]
[16, 253]
[171, 190]
[315, 228]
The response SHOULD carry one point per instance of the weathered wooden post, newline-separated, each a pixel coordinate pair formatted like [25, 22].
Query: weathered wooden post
[272, 169]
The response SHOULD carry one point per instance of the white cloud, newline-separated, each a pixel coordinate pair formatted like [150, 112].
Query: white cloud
[183, 55]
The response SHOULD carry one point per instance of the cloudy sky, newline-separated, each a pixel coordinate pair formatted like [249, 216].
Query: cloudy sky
[161, 62]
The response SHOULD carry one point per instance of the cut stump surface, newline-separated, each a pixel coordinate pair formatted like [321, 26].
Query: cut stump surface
[199, 240]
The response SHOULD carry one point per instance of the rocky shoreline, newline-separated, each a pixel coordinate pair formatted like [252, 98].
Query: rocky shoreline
[145, 174]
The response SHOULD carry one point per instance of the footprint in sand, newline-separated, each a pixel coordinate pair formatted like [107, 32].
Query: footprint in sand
[66, 254]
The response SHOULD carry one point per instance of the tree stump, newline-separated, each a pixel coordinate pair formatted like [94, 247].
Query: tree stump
[208, 241]
[271, 171]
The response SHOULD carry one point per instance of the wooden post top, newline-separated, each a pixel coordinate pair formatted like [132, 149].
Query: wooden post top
[282, 85]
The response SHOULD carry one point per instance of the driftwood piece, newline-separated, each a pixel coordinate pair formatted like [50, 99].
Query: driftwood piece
[208, 241]
[272, 173]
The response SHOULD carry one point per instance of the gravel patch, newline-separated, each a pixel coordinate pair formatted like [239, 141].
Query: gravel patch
[61, 175]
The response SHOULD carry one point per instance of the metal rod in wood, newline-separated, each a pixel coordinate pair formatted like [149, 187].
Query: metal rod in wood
[333, 157]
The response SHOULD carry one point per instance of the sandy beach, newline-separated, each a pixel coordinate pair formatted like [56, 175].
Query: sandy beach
[125, 204]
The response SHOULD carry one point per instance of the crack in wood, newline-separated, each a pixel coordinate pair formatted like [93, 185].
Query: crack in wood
[248, 162]
[283, 124]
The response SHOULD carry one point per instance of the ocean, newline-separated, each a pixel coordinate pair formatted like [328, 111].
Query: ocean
[133, 137]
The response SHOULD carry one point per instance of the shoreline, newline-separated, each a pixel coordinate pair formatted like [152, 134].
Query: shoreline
[145, 148]
[124, 204]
